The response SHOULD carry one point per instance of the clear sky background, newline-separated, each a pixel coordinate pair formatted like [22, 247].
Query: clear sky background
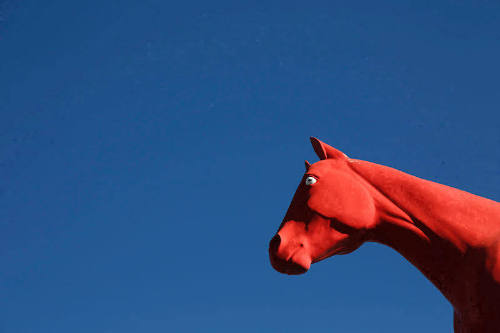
[149, 150]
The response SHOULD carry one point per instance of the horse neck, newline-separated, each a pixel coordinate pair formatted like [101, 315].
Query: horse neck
[436, 227]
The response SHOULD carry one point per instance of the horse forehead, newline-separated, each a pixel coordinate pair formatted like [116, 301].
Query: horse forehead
[324, 167]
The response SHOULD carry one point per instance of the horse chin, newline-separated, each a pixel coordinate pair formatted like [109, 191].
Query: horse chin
[297, 264]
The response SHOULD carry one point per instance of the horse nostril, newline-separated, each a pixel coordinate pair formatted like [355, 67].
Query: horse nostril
[284, 265]
[274, 244]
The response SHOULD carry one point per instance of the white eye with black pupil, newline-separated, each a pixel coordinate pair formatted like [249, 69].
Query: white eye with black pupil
[310, 180]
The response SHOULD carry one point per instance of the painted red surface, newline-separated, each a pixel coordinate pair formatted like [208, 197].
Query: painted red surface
[451, 236]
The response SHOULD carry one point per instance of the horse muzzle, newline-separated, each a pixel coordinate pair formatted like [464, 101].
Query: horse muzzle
[288, 260]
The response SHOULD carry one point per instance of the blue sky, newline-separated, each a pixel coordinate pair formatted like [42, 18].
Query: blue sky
[149, 150]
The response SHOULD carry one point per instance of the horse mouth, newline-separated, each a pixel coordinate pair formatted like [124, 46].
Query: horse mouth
[289, 266]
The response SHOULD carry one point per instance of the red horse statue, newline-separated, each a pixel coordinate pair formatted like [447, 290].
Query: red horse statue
[451, 236]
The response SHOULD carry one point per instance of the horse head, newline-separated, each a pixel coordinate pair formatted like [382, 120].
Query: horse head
[331, 213]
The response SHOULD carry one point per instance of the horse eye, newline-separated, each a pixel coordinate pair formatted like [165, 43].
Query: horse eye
[310, 180]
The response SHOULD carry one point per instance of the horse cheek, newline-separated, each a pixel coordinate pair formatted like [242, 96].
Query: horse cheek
[350, 204]
[361, 209]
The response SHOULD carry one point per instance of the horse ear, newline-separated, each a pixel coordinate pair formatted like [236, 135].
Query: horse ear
[325, 151]
[308, 165]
